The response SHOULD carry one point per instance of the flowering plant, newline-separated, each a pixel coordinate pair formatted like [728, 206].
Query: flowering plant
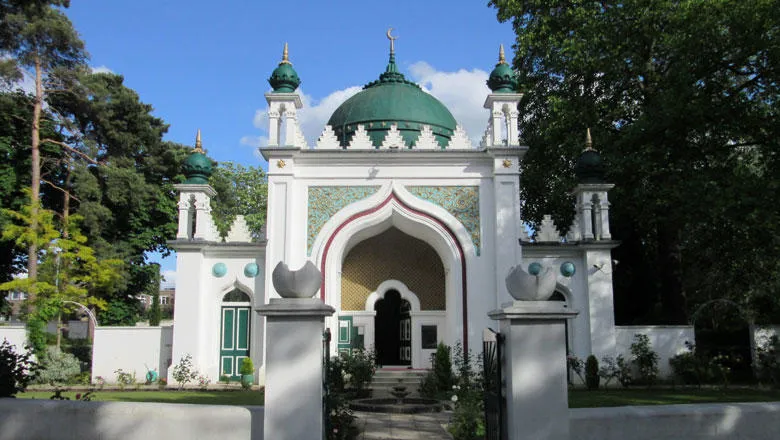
[576, 365]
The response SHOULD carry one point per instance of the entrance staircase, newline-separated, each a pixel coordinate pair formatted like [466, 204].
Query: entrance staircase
[386, 378]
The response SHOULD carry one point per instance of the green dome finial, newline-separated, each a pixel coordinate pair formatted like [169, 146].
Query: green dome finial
[502, 79]
[284, 79]
[391, 71]
[590, 167]
[197, 166]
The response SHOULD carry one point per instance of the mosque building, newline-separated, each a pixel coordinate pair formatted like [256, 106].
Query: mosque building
[413, 227]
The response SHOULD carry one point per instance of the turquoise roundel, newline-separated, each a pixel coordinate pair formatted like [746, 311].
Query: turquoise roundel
[535, 268]
[251, 270]
[567, 269]
[219, 270]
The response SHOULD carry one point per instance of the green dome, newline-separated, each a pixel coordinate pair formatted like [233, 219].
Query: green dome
[284, 79]
[590, 167]
[392, 99]
[197, 166]
[502, 79]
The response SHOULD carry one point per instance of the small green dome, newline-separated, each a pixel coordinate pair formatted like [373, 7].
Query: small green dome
[392, 99]
[197, 166]
[502, 79]
[284, 79]
[590, 167]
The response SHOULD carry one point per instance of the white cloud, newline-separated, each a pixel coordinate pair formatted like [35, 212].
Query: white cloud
[462, 92]
[169, 279]
[101, 69]
[255, 142]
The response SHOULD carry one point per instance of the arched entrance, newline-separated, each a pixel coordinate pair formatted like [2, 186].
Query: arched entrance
[393, 324]
[234, 338]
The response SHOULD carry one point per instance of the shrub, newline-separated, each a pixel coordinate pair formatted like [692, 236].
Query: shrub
[624, 371]
[58, 367]
[225, 379]
[576, 366]
[437, 383]
[341, 424]
[184, 372]
[645, 359]
[690, 367]
[467, 416]
[124, 379]
[359, 367]
[592, 373]
[768, 362]
[609, 370]
[16, 369]
[203, 382]
[247, 367]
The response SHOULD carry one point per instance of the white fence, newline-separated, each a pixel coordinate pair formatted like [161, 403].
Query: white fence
[131, 349]
[729, 421]
[666, 340]
[66, 420]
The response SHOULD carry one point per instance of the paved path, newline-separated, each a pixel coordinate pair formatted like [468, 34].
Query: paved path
[427, 426]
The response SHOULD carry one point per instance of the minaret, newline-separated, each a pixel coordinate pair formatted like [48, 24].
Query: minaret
[502, 103]
[283, 104]
[195, 222]
[591, 194]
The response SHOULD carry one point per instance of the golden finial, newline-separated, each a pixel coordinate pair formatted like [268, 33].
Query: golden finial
[501, 57]
[285, 56]
[392, 40]
[588, 140]
[198, 143]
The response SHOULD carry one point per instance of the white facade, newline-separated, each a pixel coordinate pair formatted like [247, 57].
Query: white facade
[459, 200]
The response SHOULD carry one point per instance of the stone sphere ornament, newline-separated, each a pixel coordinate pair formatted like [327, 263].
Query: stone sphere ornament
[251, 270]
[301, 283]
[568, 269]
[526, 287]
[219, 270]
[534, 268]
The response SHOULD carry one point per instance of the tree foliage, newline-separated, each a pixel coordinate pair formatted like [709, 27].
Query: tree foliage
[240, 191]
[681, 97]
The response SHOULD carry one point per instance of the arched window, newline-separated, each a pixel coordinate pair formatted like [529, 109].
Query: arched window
[236, 295]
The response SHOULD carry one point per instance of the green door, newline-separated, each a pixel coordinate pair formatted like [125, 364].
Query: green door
[234, 340]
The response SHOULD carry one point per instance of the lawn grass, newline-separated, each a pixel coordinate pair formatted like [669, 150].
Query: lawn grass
[580, 398]
[168, 396]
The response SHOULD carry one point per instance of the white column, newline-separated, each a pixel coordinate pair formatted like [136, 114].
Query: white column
[537, 406]
[605, 234]
[513, 135]
[586, 219]
[185, 217]
[293, 368]
[290, 123]
[497, 115]
[508, 224]
[202, 216]
[600, 302]
[273, 128]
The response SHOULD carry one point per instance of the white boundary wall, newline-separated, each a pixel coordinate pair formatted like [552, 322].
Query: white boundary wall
[16, 335]
[67, 420]
[666, 340]
[132, 349]
[721, 421]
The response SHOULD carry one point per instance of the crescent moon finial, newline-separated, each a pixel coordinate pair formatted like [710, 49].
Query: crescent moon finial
[392, 40]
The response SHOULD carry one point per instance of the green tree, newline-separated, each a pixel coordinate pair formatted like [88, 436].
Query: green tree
[240, 191]
[128, 202]
[682, 100]
[70, 271]
[155, 314]
[36, 35]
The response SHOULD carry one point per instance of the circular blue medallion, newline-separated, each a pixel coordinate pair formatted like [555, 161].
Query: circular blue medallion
[535, 268]
[567, 269]
[251, 270]
[219, 270]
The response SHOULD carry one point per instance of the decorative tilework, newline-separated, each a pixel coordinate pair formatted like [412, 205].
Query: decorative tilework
[326, 201]
[397, 256]
[460, 201]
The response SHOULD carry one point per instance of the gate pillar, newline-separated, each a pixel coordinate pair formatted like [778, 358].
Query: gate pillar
[537, 406]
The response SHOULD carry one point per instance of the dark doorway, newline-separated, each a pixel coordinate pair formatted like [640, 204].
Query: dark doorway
[393, 332]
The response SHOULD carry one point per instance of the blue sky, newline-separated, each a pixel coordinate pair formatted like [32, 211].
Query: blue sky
[205, 64]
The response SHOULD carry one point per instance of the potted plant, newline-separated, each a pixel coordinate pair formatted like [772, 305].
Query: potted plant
[247, 371]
